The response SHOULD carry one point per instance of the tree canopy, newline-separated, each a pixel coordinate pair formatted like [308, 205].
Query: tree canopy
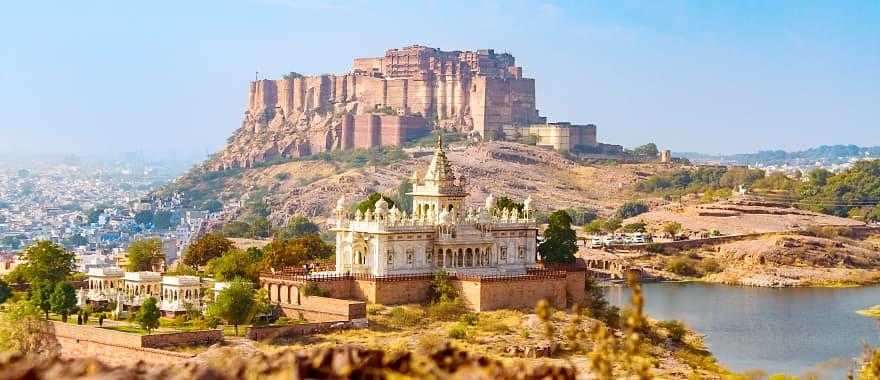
[560, 240]
[236, 305]
[5, 291]
[507, 203]
[370, 202]
[204, 249]
[284, 253]
[298, 226]
[648, 150]
[46, 261]
[63, 299]
[22, 329]
[148, 315]
[234, 264]
[41, 293]
[141, 253]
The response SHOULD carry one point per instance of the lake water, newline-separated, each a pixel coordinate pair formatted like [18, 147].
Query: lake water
[791, 330]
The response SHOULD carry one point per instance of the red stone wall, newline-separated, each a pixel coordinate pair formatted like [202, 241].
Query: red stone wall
[402, 291]
[521, 293]
[273, 332]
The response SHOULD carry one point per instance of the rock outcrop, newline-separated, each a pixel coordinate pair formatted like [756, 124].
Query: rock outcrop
[382, 101]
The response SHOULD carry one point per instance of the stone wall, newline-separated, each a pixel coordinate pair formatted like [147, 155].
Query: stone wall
[113, 347]
[185, 338]
[401, 291]
[560, 286]
[261, 333]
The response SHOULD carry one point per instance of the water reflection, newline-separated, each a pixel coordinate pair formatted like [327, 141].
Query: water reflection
[789, 330]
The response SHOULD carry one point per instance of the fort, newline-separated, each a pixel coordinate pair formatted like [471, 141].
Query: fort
[385, 101]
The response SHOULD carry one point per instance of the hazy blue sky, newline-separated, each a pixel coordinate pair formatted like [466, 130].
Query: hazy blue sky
[710, 76]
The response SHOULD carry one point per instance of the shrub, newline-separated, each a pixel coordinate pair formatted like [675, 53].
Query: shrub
[441, 288]
[457, 331]
[631, 209]
[654, 248]
[469, 319]
[446, 310]
[405, 317]
[374, 309]
[312, 289]
[675, 330]
[430, 343]
[682, 266]
[492, 325]
[709, 266]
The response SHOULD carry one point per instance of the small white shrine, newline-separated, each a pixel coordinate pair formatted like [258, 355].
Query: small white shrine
[138, 286]
[181, 293]
[104, 284]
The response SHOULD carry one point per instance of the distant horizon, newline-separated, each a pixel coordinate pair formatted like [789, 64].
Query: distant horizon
[689, 76]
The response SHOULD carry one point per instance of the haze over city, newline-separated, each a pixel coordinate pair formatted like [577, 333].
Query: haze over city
[691, 76]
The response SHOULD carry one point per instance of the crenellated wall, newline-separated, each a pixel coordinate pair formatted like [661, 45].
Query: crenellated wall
[475, 92]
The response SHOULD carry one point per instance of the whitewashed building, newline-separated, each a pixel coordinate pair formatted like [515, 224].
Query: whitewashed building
[440, 232]
[104, 284]
[138, 286]
[181, 293]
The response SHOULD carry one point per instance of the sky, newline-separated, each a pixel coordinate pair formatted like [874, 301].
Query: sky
[706, 76]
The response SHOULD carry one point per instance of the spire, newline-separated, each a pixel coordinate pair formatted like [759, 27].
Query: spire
[439, 169]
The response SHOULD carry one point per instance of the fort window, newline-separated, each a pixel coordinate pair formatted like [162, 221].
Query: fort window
[502, 254]
[409, 256]
[390, 254]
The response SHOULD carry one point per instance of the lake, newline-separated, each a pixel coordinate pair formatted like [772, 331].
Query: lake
[791, 330]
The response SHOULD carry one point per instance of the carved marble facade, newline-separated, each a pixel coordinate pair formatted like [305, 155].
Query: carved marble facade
[440, 232]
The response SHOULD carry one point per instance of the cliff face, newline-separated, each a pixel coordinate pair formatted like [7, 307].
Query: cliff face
[472, 92]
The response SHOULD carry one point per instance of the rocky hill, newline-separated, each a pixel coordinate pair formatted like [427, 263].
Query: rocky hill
[311, 186]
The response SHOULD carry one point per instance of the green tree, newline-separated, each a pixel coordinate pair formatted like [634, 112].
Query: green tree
[611, 225]
[671, 229]
[237, 229]
[41, 292]
[236, 304]
[206, 248]
[820, 176]
[594, 227]
[63, 299]
[5, 291]
[441, 287]
[404, 201]
[634, 227]
[560, 241]
[233, 264]
[507, 203]
[631, 209]
[298, 226]
[148, 315]
[874, 215]
[285, 253]
[260, 227]
[46, 261]
[141, 253]
[370, 202]
[22, 329]
[647, 150]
